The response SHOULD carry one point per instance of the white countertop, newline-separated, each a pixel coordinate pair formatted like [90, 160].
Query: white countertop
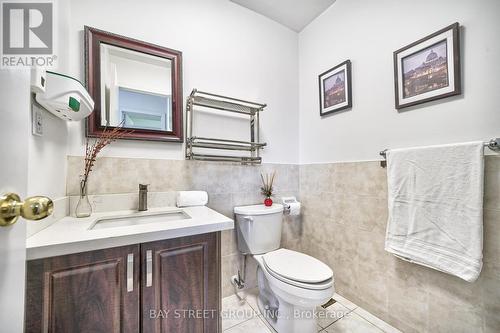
[72, 235]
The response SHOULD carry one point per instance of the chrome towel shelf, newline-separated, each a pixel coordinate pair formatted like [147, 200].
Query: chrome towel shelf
[226, 105]
[224, 158]
[493, 144]
[229, 104]
[225, 144]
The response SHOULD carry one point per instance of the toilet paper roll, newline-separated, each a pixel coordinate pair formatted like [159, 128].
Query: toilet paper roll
[192, 198]
[294, 208]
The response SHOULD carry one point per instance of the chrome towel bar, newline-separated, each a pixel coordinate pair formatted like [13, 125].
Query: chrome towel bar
[493, 144]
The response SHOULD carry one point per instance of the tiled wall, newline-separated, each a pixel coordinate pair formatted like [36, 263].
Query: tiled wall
[343, 224]
[227, 184]
[344, 221]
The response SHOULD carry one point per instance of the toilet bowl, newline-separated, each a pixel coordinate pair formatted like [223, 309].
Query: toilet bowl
[291, 284]
[287, 297]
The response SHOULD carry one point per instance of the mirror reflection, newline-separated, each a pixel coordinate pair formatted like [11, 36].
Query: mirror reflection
[136, 89]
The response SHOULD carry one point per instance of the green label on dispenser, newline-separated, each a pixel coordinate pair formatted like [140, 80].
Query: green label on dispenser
[74, 104]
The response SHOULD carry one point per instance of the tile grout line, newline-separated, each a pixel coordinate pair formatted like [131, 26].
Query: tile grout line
[238, 324]
[363, 318]
[371, 321]
[269, 328]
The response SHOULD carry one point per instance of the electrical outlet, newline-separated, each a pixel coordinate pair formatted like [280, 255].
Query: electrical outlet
[37, 121]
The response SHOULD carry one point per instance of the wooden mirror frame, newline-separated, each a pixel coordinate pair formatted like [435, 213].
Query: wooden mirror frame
[93, 38]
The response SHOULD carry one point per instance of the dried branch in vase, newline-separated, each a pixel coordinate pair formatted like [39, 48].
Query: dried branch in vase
[267, 184]
[92, 149]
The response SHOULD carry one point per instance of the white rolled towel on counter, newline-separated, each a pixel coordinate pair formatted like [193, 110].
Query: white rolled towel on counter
[191, 198]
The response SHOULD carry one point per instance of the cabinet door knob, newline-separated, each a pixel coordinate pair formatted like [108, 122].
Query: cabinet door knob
[149, 268]
[130, 272]
[33, 208]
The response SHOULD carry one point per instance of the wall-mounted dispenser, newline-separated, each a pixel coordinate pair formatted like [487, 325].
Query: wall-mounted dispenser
[62, 95]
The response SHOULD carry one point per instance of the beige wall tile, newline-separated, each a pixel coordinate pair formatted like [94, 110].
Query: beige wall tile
[451, 313]
[362, 178]
[372, 288]
[490, 291]
[229, 243]
[347, 218]
[491, 246]
[371, 253]
[222, 203]
[492, 182]
[408, 294]
[492, 190]
[492, 163]
[292, 232]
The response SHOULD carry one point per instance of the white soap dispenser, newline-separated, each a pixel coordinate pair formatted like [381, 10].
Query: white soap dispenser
[64, 96]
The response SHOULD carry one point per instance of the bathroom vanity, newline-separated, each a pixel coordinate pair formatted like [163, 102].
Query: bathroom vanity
[147, 272]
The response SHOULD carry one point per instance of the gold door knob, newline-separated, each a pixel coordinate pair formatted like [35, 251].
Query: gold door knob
[33, 208]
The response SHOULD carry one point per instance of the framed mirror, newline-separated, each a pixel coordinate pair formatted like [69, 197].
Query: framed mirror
[133, 83]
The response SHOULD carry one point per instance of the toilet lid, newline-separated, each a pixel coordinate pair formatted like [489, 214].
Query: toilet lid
[297, 266]
[258, 209]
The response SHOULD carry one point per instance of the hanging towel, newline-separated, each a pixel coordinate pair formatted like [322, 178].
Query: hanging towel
[435, 197]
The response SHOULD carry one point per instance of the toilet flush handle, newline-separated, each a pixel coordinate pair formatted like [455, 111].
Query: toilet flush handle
[247, 218]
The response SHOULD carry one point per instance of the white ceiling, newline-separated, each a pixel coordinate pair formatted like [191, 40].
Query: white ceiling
[295, 14]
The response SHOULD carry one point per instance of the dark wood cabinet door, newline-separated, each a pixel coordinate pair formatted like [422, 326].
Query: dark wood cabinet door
[182, 295]
[84, 292]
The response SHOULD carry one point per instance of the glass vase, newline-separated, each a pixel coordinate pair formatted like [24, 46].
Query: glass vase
[83, 207]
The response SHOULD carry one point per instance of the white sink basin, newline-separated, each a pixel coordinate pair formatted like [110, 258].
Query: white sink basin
[138, 219]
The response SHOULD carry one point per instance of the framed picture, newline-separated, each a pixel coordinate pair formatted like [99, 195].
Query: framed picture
[428, 69]
[335, 89]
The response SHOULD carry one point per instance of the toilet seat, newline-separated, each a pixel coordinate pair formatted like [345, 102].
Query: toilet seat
[298, 269]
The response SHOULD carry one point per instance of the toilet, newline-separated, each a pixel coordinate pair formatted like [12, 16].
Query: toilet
[291, 284]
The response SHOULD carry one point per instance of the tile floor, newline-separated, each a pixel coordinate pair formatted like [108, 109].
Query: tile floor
[342, 316]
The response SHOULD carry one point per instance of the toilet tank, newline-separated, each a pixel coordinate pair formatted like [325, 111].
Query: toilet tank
[258, 228]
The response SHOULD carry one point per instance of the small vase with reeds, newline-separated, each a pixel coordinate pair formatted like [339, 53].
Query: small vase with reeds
[267, 188]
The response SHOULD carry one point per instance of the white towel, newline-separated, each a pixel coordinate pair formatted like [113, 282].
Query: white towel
[435, 197]
[191, 198]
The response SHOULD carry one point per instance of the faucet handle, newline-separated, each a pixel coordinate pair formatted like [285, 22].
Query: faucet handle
[143, 187]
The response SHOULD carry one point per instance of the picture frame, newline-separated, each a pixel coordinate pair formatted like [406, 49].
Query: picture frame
[335, 92]
[428, 69]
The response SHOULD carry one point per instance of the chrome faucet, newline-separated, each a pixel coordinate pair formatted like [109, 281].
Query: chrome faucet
[143, 197]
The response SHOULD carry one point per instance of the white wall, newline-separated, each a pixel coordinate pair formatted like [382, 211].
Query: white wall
[367, 32]
[47, 159]
[47, 154]
[226, 49]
